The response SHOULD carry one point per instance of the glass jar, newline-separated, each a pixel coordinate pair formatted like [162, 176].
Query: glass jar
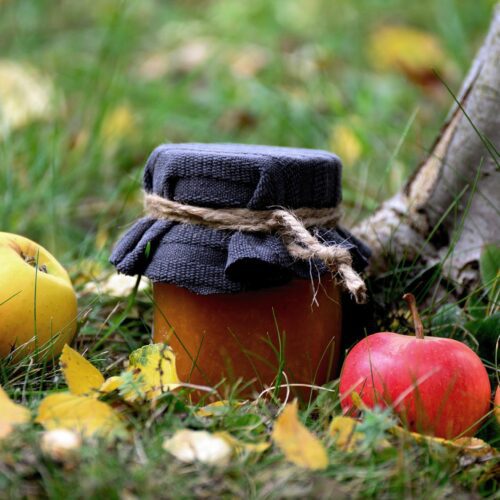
[252, 337]
[237, 302]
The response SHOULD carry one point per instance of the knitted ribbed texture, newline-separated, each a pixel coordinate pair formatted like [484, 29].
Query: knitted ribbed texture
[228, 176]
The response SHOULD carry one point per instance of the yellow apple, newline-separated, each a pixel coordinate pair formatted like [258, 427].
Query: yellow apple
[38, 306]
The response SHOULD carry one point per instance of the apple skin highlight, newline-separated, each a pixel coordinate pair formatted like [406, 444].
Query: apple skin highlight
[25, 289]
[437, 385]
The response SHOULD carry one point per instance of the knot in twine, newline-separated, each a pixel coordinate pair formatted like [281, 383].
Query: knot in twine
[291, 225]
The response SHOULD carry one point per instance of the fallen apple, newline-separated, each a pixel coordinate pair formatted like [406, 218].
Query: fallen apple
[37, 302]
[496, 404]
[435, 385]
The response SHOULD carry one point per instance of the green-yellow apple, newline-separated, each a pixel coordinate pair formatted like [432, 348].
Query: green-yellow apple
[38, 305]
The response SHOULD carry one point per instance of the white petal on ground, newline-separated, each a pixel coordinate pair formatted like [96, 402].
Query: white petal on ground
[115, 285]
[190, 446]
[62, 445]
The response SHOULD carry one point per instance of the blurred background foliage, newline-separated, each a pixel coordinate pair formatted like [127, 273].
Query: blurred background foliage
[88, 89]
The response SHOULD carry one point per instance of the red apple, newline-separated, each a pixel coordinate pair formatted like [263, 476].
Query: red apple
[496, 404]
[435, 385]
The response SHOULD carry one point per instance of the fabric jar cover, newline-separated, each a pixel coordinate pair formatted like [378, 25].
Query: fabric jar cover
[208, 261]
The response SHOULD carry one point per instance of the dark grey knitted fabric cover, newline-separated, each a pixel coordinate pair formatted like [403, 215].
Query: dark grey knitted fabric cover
[209, 261]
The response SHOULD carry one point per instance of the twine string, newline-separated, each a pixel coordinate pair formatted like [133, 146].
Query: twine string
[292, 226]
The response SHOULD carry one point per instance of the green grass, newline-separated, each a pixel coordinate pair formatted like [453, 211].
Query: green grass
[65, 184]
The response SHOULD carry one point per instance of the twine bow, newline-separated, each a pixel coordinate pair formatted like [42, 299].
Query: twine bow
[292, 226]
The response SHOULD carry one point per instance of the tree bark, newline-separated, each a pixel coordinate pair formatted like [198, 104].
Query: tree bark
[449, 208]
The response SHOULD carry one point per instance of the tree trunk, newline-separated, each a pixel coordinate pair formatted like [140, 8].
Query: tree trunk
[449, 208]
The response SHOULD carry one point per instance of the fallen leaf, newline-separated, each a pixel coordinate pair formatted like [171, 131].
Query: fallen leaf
[237, 119]
[25, 96]
[115, 285]
[82, 377]
[153, 66]
[345, 143]
[190, 446]
[417, 437]
[357, 401]
[119, 124]
[111, 384]
[191, 55]
[240, 447]
[247, 61]
[218, 408]
[11, 414]
[85, 271]
[182, 59]
[151, 372]
[470, 445]
[343, 430]
[297, 443]
[415, 53]
[81, 414]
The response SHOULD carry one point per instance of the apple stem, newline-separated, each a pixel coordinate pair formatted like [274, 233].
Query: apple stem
[412, 304]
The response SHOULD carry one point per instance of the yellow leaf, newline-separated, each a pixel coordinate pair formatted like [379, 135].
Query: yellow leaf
[111, 384]
[345, 143]
[417, 437]
[11, 414]
[190, 446]
[343, 430]
[84, 415]
[153, 369]
[415, 53]
[119, 124]
[25, 96]
[357, 401]
[240, 447]
[218, 408]
[469, 445]
[81, 376]
[299, 446]
[85, 270]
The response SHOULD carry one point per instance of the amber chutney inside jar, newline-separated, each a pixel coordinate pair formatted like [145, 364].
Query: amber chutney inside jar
[254, 336]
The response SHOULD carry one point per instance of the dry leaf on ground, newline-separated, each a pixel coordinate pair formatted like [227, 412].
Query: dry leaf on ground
[249, 60]
[82, 377]
[25, 95]
[297, 443]
[111, 384]
[153, 370]
[345, 143]
[470, 445]
[82, 414]
[343, 430]
[119, 124]
[190, 446]
[240, 447]
[218, 408]
[11, 414]
[415, 53]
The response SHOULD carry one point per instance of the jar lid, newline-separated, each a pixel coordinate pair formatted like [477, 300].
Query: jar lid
[207, 260]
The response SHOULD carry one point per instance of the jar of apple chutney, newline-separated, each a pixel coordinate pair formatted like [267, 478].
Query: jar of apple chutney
[247, 261]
